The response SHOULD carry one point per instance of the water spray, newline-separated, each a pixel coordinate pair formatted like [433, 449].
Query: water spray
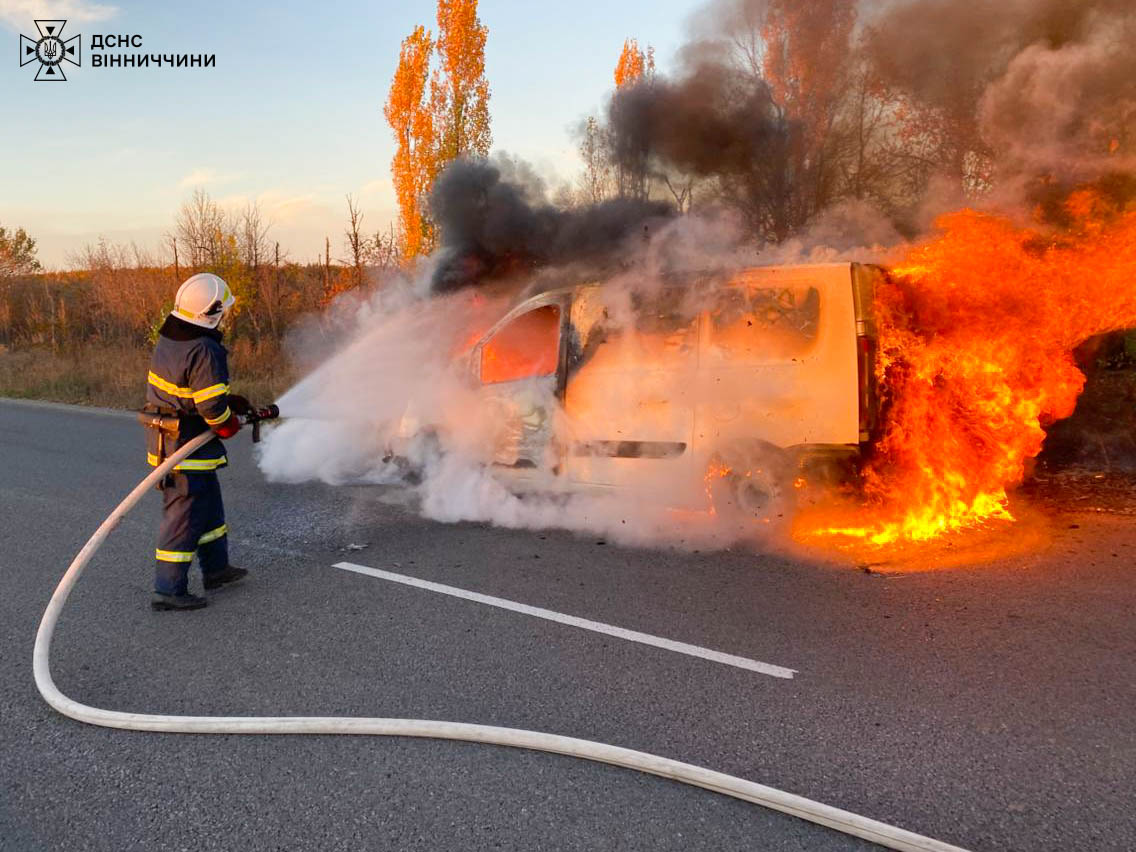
[840, 820]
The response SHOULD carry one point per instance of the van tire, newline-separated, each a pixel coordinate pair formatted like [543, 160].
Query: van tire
[757, 483]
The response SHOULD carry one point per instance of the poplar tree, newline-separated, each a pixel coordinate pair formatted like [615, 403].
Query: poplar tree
[414, 165]
[459, 92]
[432, 129]
[634, 64]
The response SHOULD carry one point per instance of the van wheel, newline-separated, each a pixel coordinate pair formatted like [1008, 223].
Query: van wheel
[749, 479]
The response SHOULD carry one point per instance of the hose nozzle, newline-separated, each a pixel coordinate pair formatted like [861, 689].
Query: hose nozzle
[256, 415]
[268, 412]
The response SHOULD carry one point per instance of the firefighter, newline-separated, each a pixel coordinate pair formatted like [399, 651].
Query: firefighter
[188, 386]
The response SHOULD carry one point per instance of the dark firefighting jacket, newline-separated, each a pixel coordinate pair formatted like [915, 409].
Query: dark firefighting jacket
[189, 377]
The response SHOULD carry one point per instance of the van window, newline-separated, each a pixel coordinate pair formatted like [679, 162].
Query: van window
[527, 347]
[752, 324]
[651, 333]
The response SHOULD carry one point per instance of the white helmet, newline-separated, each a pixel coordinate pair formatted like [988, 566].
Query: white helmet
[203, 300]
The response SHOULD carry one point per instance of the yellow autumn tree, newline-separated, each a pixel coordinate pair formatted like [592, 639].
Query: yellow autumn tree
[633, 63]
[459, 92]
[414, 165]
[452, 121]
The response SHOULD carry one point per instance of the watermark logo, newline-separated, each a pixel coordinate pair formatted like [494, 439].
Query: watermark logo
[50, 50]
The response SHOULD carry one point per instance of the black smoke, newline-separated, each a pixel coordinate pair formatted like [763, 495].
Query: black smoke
[923, 105]
[494, 228]
[712, 122]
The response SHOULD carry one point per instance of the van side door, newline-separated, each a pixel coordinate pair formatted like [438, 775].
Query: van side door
[629, 396]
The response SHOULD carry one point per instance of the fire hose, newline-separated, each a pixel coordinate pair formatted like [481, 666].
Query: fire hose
[844, 821]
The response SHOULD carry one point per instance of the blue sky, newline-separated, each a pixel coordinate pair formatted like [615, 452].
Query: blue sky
[290, 116]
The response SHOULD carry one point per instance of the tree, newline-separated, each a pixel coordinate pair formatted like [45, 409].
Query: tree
[17, 253]
[459, 92]
[414, 165]
[596, 180]
[253, 236]
[269, 293]
[634, 67]
[807, 50]
[452, 122]
[863, 146]
[940, 133]
[631, 64]
[382, 250]
[357, 244]
[250, 233]
[17, 258]
[200, 227]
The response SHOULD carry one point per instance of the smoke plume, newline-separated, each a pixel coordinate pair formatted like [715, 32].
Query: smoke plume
[782, 110]
[1067, 109]
[1042, 88]
[494, 228]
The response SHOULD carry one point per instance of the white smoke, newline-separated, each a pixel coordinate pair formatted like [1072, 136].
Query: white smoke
[395, 363]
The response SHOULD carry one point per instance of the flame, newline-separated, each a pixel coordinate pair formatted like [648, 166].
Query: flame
[714, 470]
[977, 328]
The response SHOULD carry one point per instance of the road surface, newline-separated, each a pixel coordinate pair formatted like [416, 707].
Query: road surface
[989, 706]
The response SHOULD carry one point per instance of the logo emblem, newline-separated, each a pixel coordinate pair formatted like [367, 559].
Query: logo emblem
[50, 50]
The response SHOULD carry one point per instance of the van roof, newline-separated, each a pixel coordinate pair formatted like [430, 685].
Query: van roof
[694, 274]
[680, 276]
[550, 295]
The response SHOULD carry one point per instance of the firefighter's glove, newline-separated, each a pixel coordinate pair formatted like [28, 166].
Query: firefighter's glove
[229, 428]
[239, 404]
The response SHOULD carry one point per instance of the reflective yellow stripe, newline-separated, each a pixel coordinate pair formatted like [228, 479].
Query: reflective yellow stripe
[213, 535]
[190, 464]
[186, 393]
[169, 387]
[200, 464]
[220, 418]
[173, 555]
[210, 392]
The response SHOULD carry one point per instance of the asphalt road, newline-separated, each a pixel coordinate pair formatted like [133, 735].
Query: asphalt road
[990, 706]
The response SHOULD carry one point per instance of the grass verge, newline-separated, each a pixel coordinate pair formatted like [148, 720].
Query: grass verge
[115, 376]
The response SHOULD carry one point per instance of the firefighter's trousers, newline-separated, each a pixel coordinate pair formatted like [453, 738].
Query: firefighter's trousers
[193, 521]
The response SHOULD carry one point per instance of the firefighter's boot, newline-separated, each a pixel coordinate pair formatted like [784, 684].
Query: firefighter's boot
[228, 574]
[168, 602]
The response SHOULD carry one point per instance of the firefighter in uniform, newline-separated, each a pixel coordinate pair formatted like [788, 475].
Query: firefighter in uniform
[188, 386]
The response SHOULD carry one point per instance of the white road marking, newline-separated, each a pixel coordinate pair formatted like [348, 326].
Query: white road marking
[574, 621]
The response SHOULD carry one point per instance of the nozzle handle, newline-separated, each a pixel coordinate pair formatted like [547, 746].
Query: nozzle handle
[256, 415]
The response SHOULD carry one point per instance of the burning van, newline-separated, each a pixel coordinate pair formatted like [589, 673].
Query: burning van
[732, 384]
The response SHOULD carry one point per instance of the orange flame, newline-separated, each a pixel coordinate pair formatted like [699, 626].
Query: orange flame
[977, 329]
[715, 470]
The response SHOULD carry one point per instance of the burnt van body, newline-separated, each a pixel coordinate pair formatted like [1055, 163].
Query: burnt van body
[763, 373]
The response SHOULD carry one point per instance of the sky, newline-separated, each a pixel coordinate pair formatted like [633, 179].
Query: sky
[291, 115]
